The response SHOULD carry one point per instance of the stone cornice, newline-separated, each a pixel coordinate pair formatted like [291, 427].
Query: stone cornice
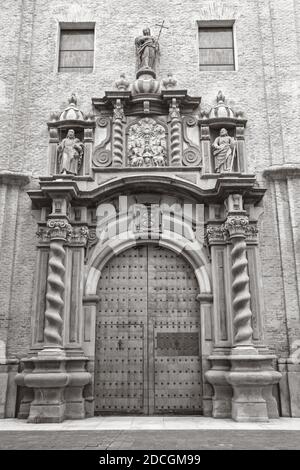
[279, 172]
[224, 186]
[14, 178]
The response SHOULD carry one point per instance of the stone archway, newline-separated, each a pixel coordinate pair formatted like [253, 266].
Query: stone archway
[148, 334]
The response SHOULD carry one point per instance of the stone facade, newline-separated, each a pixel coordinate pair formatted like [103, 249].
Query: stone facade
[264, 86]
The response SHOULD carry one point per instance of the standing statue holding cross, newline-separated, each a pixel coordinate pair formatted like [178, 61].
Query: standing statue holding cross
[147, 49]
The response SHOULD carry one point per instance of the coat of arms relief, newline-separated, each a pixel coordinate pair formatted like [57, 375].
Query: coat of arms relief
[147, 144]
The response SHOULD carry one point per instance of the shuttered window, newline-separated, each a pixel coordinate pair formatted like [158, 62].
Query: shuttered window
[76, 51]
[216, 49]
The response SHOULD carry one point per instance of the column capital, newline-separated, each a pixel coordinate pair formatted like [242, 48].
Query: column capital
[59, 229]
[237, 225]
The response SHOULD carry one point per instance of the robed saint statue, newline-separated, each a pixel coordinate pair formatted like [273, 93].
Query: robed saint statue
[147, 49]
[224, 149]
[70, 153]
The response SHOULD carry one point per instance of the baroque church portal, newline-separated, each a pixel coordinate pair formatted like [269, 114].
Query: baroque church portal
[154, 227]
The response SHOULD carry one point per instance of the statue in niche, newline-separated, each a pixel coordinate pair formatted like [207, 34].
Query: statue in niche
[147, 49]
[70, 154]
[224, 150]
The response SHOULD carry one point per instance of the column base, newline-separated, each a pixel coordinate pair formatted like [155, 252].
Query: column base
[251, 378]
[57, 383]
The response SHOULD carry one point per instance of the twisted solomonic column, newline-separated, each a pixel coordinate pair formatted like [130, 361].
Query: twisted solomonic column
[59, 231]
[236, 226]
[175, 136]
[118, 140]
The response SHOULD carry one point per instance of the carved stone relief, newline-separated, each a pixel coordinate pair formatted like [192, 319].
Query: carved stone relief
[147, 145]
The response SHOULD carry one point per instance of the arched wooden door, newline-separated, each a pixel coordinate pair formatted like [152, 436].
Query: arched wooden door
[147, 358]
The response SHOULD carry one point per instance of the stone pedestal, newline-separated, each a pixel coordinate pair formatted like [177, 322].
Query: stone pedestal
[48, 381]
[57, 383]
[251, 377]
[217, 377]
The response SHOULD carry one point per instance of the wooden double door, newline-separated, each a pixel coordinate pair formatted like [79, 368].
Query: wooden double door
[147, 357]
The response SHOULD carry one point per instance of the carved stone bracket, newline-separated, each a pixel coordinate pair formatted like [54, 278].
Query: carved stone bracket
[92, 240]
[102, 156]
[191, 155]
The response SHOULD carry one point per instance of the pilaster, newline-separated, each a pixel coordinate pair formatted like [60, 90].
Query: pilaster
[252, 375]
[11, 185]
[57, 373]
[245, 374]
[284, 180]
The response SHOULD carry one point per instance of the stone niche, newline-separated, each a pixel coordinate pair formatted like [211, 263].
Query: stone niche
[74, 157]
[217, 118]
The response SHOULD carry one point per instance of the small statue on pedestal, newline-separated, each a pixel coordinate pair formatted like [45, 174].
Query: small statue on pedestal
[70, 154]
[224, 150]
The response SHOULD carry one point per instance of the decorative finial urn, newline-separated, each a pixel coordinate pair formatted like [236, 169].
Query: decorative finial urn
[220, 97]
[169, 82]
[71, 112]
[221, 109]
[73, 100]
[122, 83]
